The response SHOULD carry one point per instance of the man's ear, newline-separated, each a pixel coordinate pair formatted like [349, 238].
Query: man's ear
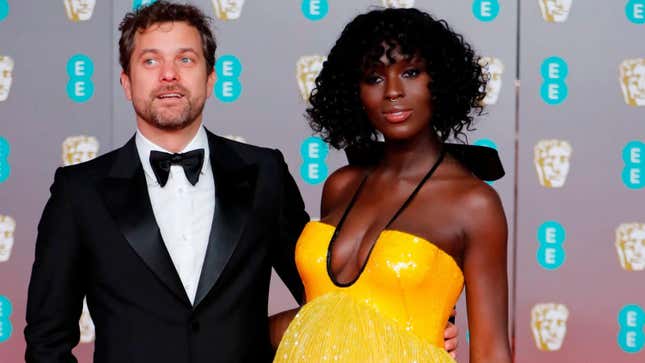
[210, 83]
[125, 83]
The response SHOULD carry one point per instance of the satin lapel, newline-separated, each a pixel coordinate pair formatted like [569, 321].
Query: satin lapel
[126, 196]
[235, 182]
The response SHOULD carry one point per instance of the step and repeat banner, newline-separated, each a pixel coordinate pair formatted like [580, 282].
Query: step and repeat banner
[565, 110]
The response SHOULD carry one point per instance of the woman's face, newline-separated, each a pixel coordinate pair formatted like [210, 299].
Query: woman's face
[396, 97]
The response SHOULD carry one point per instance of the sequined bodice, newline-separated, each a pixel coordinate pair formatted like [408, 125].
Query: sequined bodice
[406, 278]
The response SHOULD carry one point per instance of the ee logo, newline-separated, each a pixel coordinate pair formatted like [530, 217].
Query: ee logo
[5, 324]
[551, 254]
[634, 170]
[635, 11]
[4, 9]
[485, 10]
[314, 152]
[314, 10]
[80, 87]
[5, 168]
[487, 143]
[228, 87]
[136, 4]
[631, 320]
[554, 72]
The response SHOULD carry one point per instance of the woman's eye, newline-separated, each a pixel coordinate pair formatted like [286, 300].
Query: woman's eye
[411, 73]
[372, 79]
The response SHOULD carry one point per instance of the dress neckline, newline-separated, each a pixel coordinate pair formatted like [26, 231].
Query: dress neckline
[386, 228]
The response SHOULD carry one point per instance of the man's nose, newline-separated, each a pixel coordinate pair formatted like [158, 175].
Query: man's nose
[169, 72]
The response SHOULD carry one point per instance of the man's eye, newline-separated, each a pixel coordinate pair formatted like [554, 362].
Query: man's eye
[150, 62]
[186, 60]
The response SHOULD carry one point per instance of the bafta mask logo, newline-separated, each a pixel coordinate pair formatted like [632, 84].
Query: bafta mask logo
[630, 244]
[549, 325]
[555, 11]
[494, 68]
[6, 76]
[7, 229]
[86, 324]
[307, 70]
[632, 81]
[398, 3]
[228, 9]
[78, 149]
[79, 10]
[552, 161]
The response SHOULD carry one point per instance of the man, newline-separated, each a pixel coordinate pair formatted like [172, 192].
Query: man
[172, 237]
[175, 265]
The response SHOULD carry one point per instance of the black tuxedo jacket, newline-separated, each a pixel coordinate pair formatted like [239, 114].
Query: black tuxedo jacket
[98, 237]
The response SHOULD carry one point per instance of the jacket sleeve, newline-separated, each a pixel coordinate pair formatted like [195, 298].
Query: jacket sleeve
[55, 296]
[291, 220]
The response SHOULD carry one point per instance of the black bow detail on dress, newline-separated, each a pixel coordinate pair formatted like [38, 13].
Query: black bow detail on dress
[191, 162]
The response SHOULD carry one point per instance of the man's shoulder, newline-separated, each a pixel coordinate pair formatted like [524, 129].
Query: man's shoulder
[95, 168]
[248, 152]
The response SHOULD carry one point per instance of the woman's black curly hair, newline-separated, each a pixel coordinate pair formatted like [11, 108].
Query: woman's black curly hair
[457, 83]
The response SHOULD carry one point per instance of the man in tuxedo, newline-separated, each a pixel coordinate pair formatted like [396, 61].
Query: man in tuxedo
[172, 237]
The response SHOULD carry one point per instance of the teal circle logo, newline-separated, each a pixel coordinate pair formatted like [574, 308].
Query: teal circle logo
[554, 93]
[228, 66]
[80, 90]
[228, 90]
[633, 174]
[314, 152]
[485, 10]
[80, 66]
[80, 69]
[551, 254]
[554, 71]
[228, 87]
[631, 320]
[635, 11]
[136, 4]
[4, 9]
[487, 143]
[315, 10]
[5, 168]
[5, 324]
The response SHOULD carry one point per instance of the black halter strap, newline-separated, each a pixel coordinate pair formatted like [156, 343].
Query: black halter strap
[398, 212]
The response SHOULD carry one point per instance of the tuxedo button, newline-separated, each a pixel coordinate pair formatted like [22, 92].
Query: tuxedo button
[194, 326]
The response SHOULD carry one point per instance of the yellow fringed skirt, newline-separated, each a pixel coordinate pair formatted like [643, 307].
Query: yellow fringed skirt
[336, 328]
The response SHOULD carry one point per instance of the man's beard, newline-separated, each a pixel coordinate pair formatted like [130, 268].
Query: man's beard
[164, 118]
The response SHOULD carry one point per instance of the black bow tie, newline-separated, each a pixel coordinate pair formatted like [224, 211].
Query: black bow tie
[191, 162]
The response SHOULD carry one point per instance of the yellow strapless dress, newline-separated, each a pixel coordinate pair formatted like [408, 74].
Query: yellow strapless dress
[395, 311]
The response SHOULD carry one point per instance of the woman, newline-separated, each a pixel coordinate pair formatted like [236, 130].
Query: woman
[399, 236]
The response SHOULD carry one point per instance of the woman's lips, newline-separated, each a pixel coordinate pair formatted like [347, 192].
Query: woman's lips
[397, 116]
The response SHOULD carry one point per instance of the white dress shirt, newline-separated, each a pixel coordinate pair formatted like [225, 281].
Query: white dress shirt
[184, 213]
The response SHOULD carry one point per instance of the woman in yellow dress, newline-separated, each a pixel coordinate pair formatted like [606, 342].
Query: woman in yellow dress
[407, 225]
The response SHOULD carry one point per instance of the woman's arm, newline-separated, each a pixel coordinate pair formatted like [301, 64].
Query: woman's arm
[485, 233]
[278, 324]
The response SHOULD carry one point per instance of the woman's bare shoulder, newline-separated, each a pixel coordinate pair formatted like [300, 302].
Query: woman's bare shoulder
[338, 186]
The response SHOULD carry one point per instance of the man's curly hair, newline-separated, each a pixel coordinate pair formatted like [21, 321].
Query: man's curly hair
[457, 83]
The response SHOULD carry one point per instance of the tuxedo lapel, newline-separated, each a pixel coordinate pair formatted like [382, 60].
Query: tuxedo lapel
[235, 182]
[125, 193]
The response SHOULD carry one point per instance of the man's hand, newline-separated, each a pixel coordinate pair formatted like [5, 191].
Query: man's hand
[451, 337]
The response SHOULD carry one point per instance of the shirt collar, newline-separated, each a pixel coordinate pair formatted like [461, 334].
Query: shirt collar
[145, 146]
